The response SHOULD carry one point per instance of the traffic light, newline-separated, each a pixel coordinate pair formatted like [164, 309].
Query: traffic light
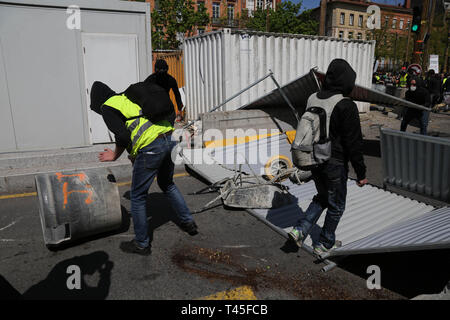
[417, 17]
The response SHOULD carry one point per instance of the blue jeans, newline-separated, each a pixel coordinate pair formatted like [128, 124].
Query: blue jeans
[153, 161]
[331, 184]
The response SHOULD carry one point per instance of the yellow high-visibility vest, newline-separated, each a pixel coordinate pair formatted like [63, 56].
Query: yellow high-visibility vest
[403, 81]
[143, 132]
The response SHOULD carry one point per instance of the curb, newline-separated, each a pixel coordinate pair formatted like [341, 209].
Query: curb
[26, 182]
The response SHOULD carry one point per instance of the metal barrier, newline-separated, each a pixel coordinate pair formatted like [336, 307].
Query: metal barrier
[417, 163]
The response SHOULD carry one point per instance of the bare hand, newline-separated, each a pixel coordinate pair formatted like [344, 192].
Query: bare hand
[360, 183]
[108, 155]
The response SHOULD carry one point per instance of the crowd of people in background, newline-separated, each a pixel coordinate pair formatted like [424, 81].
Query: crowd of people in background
[437, 84]
[429, 90]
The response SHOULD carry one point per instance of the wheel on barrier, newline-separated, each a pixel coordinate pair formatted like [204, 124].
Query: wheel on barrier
[276, 165]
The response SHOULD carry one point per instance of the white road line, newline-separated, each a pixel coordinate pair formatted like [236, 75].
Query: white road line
[9, 225]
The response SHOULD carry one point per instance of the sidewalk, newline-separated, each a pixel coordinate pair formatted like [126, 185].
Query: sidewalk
[17, 169]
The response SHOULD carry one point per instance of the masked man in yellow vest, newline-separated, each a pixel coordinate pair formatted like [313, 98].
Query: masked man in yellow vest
[403, 82]
[149, 145]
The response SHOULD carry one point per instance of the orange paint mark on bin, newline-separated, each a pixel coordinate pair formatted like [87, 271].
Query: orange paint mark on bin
[80, 176]
[67, 193]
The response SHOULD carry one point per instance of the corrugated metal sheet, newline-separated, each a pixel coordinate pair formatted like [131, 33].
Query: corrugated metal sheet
[369, 210]
[299, 90]
[429, 231]
[417, 163]
[366, 94]
[220, 64]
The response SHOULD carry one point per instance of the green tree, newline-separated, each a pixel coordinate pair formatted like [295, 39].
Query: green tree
[438, 39]
[285, 19]
[175, 17]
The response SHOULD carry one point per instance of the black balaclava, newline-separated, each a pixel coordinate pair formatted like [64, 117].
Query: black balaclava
[161, 66]
[340, 77]
[100, 92]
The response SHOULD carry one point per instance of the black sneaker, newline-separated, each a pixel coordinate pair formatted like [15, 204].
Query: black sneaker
[133, 247]
[189, 227]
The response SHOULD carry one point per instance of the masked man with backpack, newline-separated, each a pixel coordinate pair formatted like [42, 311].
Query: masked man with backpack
[327, 155]
[141, 119]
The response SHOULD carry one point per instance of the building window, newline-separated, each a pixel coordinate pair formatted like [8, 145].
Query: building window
[386, 21]
[350, 35]
[342, 18]
[360, 21]
[216, 10]
[230, 12]
[359, 36]
[341, 34]
[260, 4]
[394, 23]
[402, 24]
[352, 18]
[157, 6]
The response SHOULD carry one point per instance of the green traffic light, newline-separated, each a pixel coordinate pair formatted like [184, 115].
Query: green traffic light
[414, 28]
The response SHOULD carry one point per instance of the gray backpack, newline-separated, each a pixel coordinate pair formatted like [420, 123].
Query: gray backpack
[312, 145]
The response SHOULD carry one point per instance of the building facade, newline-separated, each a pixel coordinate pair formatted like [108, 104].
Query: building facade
[347, 19]
[226, 13]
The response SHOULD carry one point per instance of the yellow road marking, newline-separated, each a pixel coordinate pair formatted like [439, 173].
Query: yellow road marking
[240, 293]
[19, 195]
[33, 194]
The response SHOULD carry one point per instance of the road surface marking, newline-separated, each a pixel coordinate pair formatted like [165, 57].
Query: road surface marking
[9, 225]
[240, 293]
[18, 195]
[33, 194]
[178, 175]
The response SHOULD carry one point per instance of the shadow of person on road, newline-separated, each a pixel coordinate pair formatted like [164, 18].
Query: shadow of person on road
[91, 282]
[159, 212]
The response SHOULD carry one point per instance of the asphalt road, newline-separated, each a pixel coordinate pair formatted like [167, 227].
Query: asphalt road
[234, 252]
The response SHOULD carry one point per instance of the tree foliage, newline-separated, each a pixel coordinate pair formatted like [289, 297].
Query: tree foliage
[174, 19]
[287, 18]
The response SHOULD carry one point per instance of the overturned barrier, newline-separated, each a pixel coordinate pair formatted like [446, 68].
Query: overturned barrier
[416, 163]
[369, 211]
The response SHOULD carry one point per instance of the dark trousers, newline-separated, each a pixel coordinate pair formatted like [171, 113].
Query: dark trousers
[331, 184]
[421, 116]
[153, 161]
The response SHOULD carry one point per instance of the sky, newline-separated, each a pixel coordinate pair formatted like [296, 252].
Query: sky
[309, 4]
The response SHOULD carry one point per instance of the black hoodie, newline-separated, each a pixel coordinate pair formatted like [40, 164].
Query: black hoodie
[345, 126]
[100, 92]
[114, 120]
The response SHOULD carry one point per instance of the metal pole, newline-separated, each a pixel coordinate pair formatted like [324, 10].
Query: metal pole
[233, 96]
[284, 96]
